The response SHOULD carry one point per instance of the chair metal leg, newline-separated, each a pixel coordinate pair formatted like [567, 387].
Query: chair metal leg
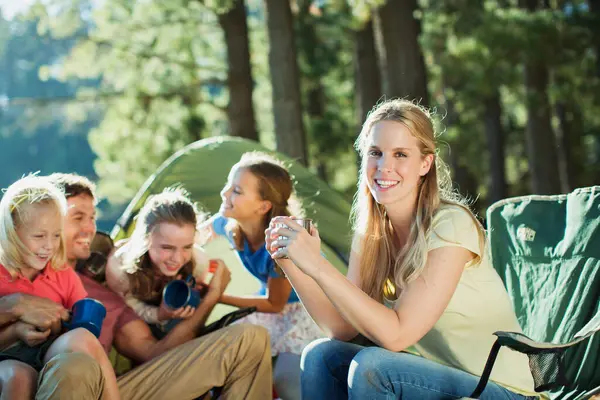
[485, 376]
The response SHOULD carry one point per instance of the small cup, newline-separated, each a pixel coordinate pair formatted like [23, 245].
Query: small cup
[306, 223]
[181, 293]
[89, 314]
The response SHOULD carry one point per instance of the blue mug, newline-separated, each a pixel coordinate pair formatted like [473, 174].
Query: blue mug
[181, 293]
[89, 314]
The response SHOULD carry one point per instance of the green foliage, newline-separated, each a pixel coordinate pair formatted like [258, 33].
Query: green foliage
[325, 57]
[155, 76]
[362, 9]
[475, 49]
[161, 71]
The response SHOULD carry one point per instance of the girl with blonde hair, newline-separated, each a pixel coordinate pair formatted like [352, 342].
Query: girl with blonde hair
[33, 262]
[421, 295]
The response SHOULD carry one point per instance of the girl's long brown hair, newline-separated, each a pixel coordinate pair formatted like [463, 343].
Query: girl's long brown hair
[274, 185]
[380, 258]
[173, 206]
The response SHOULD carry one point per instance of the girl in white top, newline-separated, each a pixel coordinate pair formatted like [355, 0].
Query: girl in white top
[419, 280]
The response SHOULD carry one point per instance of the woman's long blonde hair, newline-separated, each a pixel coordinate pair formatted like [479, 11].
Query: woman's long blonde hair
[173, 206]
[17, 208]
[380, 259]
[275, 185]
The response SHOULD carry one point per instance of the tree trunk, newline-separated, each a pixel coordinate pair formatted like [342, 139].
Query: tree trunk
[570, 122]
[314, 95]
[240, 110]
[404, 66]
[464, 181]
[495, 138]
[595, 10]
[539, 136]
[540, 139]
[307, 46]
[368, 78]
[285, 80]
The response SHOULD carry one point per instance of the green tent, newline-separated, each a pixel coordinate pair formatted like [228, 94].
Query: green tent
[547, 251]
[202, 168]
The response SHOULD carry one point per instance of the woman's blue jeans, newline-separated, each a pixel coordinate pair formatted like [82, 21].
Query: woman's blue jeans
[333, 370]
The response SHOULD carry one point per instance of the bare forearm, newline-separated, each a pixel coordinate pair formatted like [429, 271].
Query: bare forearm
[367, 316]
[262, 304]
[186, 330]
[9, 309]
[318, 305]
[8, 336]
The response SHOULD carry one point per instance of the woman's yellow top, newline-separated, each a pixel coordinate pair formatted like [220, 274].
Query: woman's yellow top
[463, 336]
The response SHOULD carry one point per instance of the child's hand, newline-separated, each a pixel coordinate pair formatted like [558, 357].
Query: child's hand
[183, 312]
[167, 313]
[29, 334]
[221, 278]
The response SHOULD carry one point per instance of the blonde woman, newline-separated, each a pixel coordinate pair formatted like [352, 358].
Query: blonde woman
[420, 287]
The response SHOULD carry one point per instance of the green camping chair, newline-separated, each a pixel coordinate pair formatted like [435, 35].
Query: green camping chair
[547, 251]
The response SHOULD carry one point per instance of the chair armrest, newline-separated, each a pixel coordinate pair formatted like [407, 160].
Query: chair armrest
[523, 344]
[544, 378]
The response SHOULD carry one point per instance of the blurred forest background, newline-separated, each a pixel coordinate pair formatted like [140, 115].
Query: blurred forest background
[111, 88]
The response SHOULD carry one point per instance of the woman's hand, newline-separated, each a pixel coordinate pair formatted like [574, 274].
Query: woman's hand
[30, 335]
[286, 238]
[166, 313]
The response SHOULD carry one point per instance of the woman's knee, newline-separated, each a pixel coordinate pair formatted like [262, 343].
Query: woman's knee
[369, 364]
[316, 354]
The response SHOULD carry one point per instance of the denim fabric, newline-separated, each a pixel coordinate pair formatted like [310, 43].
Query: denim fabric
[334, 370]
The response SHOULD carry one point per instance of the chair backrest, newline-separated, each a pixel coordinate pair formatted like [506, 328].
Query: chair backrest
[547, 251]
